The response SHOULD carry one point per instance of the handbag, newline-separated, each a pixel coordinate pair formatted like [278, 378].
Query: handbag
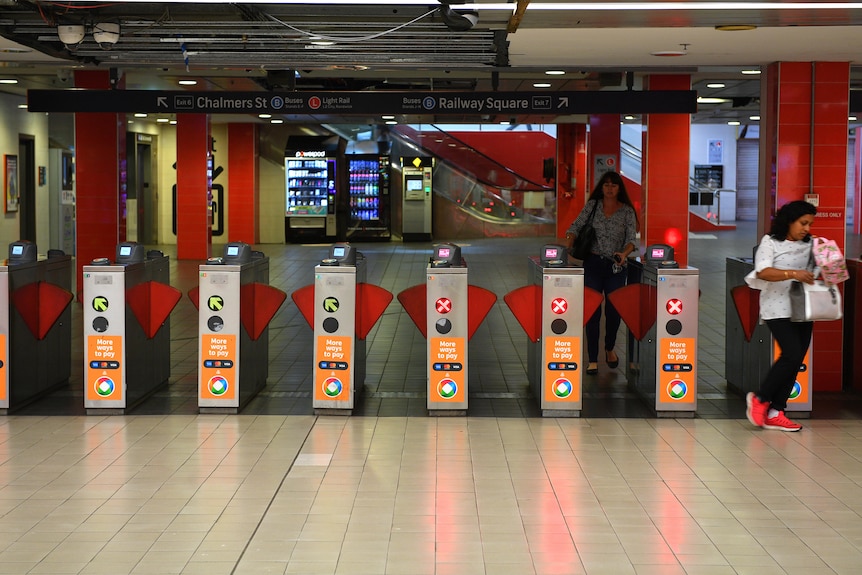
[814, 302]
[582, 247]
[828, 257]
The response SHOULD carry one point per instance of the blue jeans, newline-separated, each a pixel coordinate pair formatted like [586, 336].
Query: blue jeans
[598, 275]
[793, 338]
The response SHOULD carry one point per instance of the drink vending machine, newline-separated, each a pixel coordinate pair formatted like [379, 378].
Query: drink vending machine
[368, 185]
[310, 177]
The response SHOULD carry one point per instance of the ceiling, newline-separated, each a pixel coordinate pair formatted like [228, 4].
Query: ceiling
[404, 46]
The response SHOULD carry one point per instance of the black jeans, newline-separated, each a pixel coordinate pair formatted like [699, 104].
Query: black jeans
[599, 275]
[793, 338]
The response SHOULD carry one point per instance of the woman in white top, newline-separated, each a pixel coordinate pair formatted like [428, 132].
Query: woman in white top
[783, 257]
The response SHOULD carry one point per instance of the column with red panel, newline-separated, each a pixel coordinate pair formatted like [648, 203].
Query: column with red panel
[194, 181]
[243, 184]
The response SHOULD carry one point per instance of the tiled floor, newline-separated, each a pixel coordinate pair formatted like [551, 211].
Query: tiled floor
[276, 489]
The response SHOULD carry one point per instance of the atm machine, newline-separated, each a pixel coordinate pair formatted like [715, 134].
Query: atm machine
[416, 198]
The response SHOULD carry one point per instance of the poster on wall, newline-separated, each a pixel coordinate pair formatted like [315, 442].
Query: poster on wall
[714, 151]
[11, 179]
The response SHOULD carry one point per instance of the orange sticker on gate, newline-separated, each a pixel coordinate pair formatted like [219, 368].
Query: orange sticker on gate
[801, 391]
[562, 363]
[218, 373]
[446, 370]
[332, 368]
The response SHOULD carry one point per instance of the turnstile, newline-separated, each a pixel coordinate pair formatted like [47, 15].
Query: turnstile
[555, 361]
[235, 305]
[339, 356]
[126, 326]
[448, 335]
[663, 366]
[35, 325]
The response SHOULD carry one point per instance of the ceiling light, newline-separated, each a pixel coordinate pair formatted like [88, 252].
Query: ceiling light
[735, 27]
[140, 115]
[22, 106]
[173, 122]
[733, 123]
[391, 122]
[555, 72]
[163, 120]
[387, 117]
[8, 81]
[750, 72]
[264, 116]
[541, 85]
[629, 117]
[754, 118]
[188, 82]
[276, 121]
[669, 53]
[715, 85]
[851, 118]
[703, 100]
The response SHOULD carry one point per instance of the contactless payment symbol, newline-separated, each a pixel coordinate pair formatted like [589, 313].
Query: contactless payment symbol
[104, 386]
[447, 388]
[218, 385]
[562, 388]
[677, 389]
[332, 387]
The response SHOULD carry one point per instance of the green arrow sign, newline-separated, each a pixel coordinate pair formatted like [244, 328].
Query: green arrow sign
[330, 304]
[215, 302]
[100, 303]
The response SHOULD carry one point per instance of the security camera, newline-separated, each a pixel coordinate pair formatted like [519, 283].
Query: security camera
[457, 21]
[70, 34]
[106, 34]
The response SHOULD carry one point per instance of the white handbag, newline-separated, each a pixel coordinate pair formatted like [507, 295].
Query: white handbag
[815, 302]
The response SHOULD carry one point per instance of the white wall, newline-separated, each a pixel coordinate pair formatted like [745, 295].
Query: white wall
[17, 122]
[700, 135]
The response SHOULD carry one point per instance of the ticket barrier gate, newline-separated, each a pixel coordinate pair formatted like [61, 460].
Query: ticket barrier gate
[550, 310]
[341, 308]
[455, 310]
[235, 305]
[748, 345]
[661, 312]
[36, 324]
[127, 332]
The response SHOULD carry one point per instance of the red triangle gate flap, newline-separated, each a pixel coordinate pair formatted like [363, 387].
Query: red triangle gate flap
[151, 303]
[636, 305]
[747, 304]
[194, 295]
[592, 302]
[413, 301]
[258, 305]
[479, 303]
[371, 302]
[304, 300]
[40, 305]
[525, 303]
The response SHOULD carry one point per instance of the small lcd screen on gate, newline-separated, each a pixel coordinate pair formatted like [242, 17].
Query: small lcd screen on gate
[125, 250]
[657, 253]
[443, 253]
[232, 251]
[338, 252]
[552, 254]
[17, 250]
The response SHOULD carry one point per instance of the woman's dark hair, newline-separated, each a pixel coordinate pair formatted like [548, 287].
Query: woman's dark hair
[622, 195]
[787, 214]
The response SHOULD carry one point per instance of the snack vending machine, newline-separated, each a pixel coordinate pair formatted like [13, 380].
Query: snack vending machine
[310, 177]
[368, 185]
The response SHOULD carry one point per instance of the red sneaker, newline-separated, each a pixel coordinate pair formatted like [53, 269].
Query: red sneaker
[781, 423]
[755, 409]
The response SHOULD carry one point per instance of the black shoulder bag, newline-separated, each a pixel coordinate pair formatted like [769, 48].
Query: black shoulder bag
[583, 244]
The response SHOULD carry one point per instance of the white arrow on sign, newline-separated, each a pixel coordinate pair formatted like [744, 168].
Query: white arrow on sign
[162, 101]
[564, 101]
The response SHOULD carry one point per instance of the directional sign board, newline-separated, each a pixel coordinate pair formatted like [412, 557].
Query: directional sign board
[376, 102]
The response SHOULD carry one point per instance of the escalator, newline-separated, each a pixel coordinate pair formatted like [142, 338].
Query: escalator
[474, 195]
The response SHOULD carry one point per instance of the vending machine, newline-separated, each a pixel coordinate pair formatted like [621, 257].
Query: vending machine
[310, 176]
[368, 186]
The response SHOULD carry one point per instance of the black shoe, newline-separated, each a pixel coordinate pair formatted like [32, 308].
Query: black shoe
[592, 368]
[612, 364]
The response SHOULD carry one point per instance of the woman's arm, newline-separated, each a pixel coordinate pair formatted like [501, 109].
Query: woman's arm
[777, 275]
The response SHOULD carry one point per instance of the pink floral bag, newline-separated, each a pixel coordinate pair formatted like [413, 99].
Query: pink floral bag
[830, 260]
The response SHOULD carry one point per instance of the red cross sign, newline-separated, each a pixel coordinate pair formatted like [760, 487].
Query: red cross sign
[443, 305]
[559, 305]
[674, 306]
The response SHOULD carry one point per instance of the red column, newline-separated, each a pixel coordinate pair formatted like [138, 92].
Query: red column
[194, 216]
[804, 150]
[100, 152]
[604, 153]
[665, 173]
[571, 174]
[243, 189]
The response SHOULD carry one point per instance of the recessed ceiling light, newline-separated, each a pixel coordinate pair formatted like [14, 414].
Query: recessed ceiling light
[8, 81]
[163, 120]
[140, 115]
[505, 123]
[276, 121]
[754, 118]
[22, 106]
[391, 122]
[388, 117]
[750, 72]
[702, 100]
[188, 82]
[735, 27]
[264, 116]
[629, 117]
[173, 122]
[541, 85]
[851, 118]
[715, 85]
[669, 53]
[733, 123]
[555, 72]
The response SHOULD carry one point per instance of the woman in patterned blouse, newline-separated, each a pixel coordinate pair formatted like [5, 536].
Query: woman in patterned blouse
[783, 256]
[616, 226]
